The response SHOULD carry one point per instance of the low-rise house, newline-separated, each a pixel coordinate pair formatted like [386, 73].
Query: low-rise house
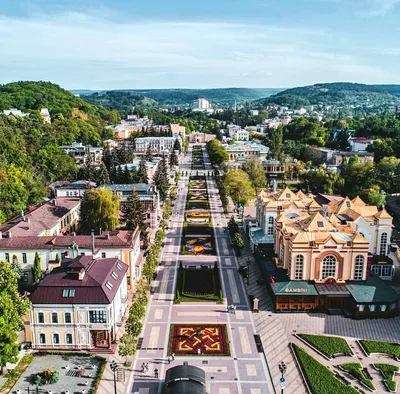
[242, 150]
[148, 196]
[73, 189]
[200, 138]
[339, 157]
[79, 305]
[83, 154]
[359, 144]
[15, 112]
[178, 130]
[54, 217]
[124, 245]
[45, 115]
[238, 133]
[157, 145]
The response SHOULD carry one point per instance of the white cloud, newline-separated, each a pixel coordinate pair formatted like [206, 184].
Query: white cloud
[89, 51]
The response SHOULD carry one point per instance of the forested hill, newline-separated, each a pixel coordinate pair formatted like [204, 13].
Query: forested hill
[218, 97]
[341, 93]
[30, 96]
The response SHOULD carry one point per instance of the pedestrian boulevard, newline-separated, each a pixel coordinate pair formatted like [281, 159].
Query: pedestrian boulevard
[245, 370]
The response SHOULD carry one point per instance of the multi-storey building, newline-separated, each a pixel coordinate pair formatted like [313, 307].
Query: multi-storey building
[329, 252]
[58, 216]
[242, 150]
[124, 245]
[73, 189]
[157, 145]
[200, 138]
[83, 154]
[79, 305]
[148, 196]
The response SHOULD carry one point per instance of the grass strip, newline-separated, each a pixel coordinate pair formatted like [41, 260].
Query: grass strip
[388, 371]
[327, 345]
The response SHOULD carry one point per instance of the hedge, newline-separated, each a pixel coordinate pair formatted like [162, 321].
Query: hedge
[392, 349]
[356, 370]
[327, 345]
[388, 371]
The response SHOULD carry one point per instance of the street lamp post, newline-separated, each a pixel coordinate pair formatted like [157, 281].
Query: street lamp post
[114, 367]
[282, 369]
[248, 271]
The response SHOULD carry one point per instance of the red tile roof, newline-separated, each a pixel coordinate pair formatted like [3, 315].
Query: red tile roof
[92, 289]
[116, 239]
[40, 218]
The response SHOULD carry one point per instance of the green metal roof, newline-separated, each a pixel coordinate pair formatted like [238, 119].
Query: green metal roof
[294, 287]
[373, 290]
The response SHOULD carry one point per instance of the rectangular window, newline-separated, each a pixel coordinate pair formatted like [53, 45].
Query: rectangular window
[42, 339]
[24, 258]
[54, 317]
[109, 285]
[56, 339]
[114, 275]
[68, 339]
[7, 258]
[40, 317]
[72, 292]
[65, 292]
[97, 317]
[67, 318]
[119, 266]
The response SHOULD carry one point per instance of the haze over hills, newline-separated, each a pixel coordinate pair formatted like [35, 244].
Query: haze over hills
[220, 97]
[338, 93]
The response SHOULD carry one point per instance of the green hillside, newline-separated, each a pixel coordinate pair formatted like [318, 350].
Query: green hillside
[218, 97]
[339, 93]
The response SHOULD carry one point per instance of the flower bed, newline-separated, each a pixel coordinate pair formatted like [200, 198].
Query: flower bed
[330, 346]
[197, 245]
[188, 339]
[391, 349]
[198, 285]
[388, 371]
[320, 379]
[356, 370]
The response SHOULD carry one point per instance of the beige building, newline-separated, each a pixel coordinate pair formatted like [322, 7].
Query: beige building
[200, 138]
[242, 150]
[79, 306]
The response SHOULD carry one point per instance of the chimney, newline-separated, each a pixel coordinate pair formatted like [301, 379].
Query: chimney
[92, 234]
[9, 234]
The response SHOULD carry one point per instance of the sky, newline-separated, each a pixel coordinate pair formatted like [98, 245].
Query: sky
[131, 44]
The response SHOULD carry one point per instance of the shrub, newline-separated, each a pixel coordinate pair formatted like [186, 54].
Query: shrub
[326, 344]
[388, 371]
[355, 369]
[392, 349]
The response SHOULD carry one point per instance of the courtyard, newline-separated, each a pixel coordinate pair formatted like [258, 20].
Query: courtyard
[76, 373]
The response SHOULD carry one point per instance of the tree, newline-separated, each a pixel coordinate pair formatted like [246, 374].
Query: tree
[276, 138]
[135, 216]
[217, 152]
[237, 241]
[149, 154]
[12, 308]
[374, 196]
[127, 177]
[177, 146]
[256, 172]
[133, 326]
[239, 187]
[37, 268]
[160, 178]
[127, 346]
[173, 159]
[142, 173]
[99, 210]
[102, 176]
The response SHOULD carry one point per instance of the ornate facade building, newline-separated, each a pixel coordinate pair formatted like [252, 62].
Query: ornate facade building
[328, 252]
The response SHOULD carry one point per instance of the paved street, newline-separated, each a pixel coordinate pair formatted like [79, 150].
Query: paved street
[245, 371]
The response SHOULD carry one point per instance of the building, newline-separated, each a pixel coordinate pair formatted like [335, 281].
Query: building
[359, 144]
[200, 138]
[54, 217]
[14, 112]
[325, 250]
[339, 157]
[157, 145]
[73, 189]
[83, 154]
[124, 245]
[178, 131]
[237, 133]
[79, 306]
[45, 115]
[150, 165]
[148, 196]
[242, 150]
[254, 112]
[201, 104]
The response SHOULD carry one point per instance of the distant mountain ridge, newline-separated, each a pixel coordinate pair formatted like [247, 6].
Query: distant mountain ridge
[222, 97]
[335, 93]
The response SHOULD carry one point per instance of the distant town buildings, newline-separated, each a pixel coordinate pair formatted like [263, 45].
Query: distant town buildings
[359, 144]
[83, 154]
[15, 112]
[178, 130]
[201, 104]
[237, 133]
[45, 115]
[72, 189]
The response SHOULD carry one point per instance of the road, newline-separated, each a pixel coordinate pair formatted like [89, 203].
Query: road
[245, 370]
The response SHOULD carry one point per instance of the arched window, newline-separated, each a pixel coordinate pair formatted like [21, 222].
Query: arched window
[281, 251]
[383, 248]
[299, 267]
[359, 268]
[329, 267]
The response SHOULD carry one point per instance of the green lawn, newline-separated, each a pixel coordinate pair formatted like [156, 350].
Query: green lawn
[356, 370]
[388, 371]
[320, 379]
[13, 375]
[327, 345]
[392, 349]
